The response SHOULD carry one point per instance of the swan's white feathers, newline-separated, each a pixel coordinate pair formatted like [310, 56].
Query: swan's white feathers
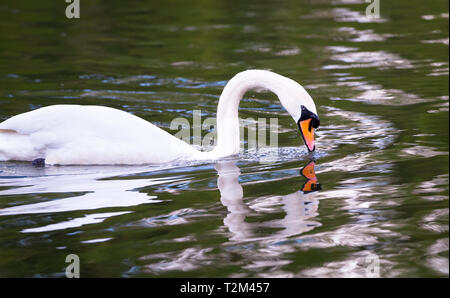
[73, 134]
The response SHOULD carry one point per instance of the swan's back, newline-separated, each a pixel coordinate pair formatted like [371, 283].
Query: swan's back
[73, 134]
[83, 119]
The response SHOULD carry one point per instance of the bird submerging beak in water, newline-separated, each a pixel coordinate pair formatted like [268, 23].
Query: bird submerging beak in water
[95, 135]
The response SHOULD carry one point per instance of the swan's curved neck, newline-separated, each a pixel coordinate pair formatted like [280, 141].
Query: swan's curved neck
[228, 136]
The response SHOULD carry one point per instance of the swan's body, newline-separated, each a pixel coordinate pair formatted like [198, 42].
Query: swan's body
[74, 134]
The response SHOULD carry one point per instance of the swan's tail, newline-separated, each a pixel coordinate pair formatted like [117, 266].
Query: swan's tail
[14, 146]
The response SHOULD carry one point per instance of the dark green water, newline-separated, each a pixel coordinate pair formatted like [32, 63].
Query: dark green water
[381, 89]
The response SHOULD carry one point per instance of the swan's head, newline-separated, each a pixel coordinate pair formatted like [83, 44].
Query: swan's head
[301, 107]
[307, 122]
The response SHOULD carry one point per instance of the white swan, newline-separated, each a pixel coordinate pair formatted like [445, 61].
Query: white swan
[94, 135]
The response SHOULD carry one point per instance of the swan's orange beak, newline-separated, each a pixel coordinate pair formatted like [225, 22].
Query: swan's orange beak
[307, 131]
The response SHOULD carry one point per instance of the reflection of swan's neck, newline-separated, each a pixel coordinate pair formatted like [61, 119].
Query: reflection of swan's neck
[228, 138]
[231, 196]
[228, 181]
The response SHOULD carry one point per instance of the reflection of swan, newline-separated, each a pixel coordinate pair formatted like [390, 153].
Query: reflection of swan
[89, 188]
[300, 207]
[73, 134]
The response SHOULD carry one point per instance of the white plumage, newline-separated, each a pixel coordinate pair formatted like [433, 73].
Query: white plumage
[73, 134]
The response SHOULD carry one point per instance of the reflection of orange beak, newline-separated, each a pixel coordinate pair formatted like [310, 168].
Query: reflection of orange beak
[308, 134]
[309, 173]
[310, 186]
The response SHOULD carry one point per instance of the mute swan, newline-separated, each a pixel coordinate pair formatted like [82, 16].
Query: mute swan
[95, 135]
